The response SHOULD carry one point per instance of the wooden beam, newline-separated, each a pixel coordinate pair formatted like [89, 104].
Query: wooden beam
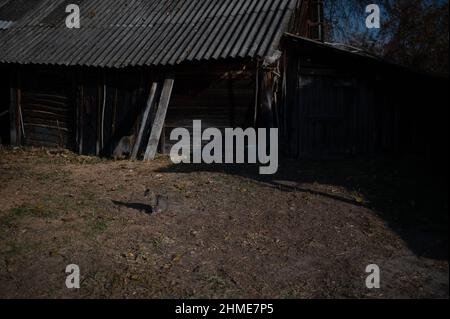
[144, 124]
[98, 137]
[231, 99]
[15, 136]
[162, 144]
[114, 115]
[103, 112]
[19, 117]
[158, 123]
[80, 106]
[255, 111]
[13, 116]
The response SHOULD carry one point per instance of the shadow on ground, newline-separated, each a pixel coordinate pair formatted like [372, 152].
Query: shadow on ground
[407, 196]
[144, 208]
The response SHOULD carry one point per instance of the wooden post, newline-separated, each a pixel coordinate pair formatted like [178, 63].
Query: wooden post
[160, 118]
[76, 103]
[103, 112]
[80, 106]
[162, 144]
[255, 114]
[14, 109]
[145, 117]
[13, 116]
[99, 118]
[231, 99]
[114, 113]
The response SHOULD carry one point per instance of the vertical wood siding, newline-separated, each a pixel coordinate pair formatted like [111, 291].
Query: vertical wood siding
[4, 105]
[337, 106]
[220, 97]
[47, 109]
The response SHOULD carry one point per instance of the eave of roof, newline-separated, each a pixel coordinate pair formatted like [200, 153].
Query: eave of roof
[358, 53]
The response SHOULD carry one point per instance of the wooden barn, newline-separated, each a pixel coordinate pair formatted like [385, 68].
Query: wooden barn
[340, 102]
[141, 68]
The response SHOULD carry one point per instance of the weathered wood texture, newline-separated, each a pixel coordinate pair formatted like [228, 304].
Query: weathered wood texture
[160, 118]
[110, 106]
[145, 120]
[46, 108]
[13, 114]
[220, 97]
[340, 106]
[307, 20]
[5, 105]
[90, 110]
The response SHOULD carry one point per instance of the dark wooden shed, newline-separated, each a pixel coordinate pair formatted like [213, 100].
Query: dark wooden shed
[86, 88]
[342, 102]
[234, 63]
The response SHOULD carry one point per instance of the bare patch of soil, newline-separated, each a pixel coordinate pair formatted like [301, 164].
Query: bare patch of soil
[154, 230]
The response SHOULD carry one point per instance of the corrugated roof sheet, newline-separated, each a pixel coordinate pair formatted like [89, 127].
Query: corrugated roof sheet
[145, 32]
[5, 24]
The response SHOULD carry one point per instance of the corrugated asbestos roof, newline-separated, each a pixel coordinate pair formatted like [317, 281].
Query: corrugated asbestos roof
[119, 33]
[5, 24]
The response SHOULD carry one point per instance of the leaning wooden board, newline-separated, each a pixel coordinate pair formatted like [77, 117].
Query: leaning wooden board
[158, 123]
[145, 120]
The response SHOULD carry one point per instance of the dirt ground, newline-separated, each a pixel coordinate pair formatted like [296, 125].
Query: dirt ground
[156, 230]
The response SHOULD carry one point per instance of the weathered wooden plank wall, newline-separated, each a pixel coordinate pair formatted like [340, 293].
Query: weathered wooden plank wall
[221, 97]
[46, 107]
[89, 110]
[333, 106]
[342, 106]
[4, 105]
[110, 104]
